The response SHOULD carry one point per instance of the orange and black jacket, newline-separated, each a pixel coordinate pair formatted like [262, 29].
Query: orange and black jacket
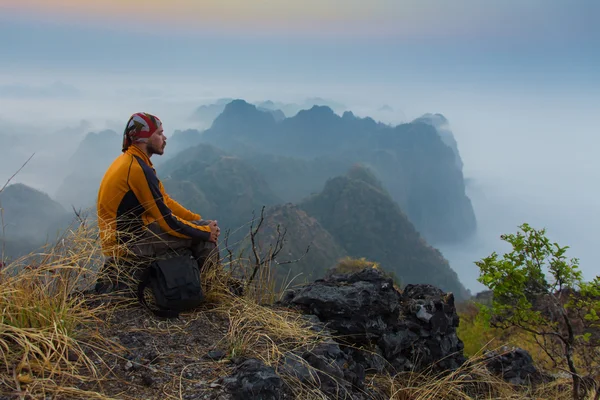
[131, 197]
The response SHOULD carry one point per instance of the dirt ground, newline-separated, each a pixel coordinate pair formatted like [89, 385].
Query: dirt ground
[162, 359]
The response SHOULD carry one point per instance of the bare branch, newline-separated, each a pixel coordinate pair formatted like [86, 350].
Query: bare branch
[296, 260]
[229, 252]
[15, 174]
[2, 209]
[253, 232]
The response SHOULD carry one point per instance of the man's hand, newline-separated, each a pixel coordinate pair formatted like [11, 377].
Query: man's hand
[215, 231]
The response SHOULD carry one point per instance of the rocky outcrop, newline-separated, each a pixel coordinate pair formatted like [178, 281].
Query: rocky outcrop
[514, 366]
[328, 367]
[368, 326]
[413, 330]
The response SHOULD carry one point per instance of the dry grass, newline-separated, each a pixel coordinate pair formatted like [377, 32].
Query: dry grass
[44, 326]
[46, 333]
[470, 382]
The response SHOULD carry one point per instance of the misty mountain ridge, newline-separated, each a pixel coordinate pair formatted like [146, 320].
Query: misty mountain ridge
[303, 233]
[31, 218]
[298, 154]
[415, 164]
[362, 216]
[442, 125]
[87, 166]
[233, 189]
[249, 159]
[207, 113]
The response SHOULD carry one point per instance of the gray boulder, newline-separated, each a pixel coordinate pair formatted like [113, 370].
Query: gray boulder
[253, 380]
[414, 330]
[514, 366]
[363, 305]
[328, 367]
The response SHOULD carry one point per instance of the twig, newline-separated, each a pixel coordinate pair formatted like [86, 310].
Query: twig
[229, 252]
[2, 209]
[15, 174]
[296, 260]
[253, 232]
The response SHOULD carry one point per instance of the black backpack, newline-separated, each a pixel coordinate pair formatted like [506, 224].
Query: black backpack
[175, 284]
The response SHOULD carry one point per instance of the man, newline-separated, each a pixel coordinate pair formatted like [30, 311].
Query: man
[136, 218]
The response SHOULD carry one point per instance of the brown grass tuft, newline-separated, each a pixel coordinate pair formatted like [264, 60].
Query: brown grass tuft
[44, 326]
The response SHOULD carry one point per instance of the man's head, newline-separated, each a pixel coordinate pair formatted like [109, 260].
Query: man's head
[146, 131]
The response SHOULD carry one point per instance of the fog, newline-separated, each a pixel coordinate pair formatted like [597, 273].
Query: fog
[522, 103]
[528, 157]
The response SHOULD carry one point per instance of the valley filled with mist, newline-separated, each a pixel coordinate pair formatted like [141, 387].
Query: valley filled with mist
[423, 185]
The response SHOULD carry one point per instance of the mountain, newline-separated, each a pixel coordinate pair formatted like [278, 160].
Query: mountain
[31, 218]
[293, 178]
[362, 216]
[278, 115]
[441, 124]
[87, 167]
[241, 127]
[302, 232]
[291, 109]
[207, 113]
[179, 141]
[421, 172]
[232, 189]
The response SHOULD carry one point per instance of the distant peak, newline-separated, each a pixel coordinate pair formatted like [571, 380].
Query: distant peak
[365, 174]
[185, 133]
[436, 119]
[21, 188]
[267, 103]
[316, 112]
[322, 109]
[348, 115]
[239, 104]
[105, 134]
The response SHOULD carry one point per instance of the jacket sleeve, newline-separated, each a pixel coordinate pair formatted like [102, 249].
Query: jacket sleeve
[177, 209]
[146, 187]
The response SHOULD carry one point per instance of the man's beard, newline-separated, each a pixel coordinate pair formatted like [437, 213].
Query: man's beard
[154, 150]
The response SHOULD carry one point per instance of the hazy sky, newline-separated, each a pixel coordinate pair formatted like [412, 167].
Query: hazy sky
[518, 80]
[517, 19]
[353, 37]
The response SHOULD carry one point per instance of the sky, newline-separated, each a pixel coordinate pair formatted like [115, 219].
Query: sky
[517, 79]
[407, 18]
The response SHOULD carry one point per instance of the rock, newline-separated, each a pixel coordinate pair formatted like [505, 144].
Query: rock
[430, 314]
[411, 331]
[361, 305]
[327, 367]
[128, 366]
[514, 366]
[216, 355]
[254, 380]
[372, 360]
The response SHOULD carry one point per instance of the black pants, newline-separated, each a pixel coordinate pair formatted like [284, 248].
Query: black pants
[154, 243]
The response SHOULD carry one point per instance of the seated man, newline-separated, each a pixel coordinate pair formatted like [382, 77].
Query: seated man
[137, 219]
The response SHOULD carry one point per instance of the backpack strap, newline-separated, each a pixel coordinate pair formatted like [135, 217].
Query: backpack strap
[142, 285]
